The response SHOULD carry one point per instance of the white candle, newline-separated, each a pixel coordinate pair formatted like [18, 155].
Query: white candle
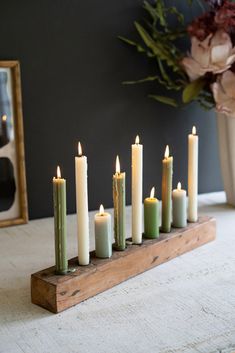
[179, 202]
[192, 176]
[137, 191]
[103, 236]
[82, 208]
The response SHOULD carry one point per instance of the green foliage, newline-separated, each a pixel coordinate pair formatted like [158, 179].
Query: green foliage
[165, 100]
[159, 41]
[192, 90]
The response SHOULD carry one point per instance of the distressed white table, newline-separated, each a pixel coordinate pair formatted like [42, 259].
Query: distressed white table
[185, 305]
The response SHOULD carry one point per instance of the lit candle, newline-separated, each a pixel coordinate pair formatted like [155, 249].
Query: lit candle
[137, 191]
[82, 207]
[179, 207]
[103, 237]
[167, 172]
[151, 216]
[119, 201]
[192, 176]
[4, 137]
[59, 197]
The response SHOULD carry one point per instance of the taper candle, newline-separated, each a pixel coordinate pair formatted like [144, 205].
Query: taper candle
[167, 172]
[103, 236]
[192, 176]
[137, 190]
[59, 198]
[82, 207]
[151, 216]
[119, 201]
[179, 202]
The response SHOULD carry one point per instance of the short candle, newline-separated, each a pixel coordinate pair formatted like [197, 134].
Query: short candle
[151, 216]
[59, 197]
[179, 207]
[119, 201]
[167, 171]
[103, 236]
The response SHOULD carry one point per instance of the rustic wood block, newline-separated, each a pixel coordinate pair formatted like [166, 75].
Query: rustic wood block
[57, 293]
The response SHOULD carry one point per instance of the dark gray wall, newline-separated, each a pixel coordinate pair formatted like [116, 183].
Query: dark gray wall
[72, 67]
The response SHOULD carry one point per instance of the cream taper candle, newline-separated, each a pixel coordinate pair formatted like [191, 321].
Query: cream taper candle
[167, 172]
[82, 207]
[137, 190]
[192, 176]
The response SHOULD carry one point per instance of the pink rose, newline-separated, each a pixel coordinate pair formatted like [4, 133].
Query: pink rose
[224, 93]
[214, 54]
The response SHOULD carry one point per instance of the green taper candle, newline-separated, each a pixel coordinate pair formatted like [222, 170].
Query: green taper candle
[179, 207]
[119, 201]
[59, 196]
[167, 172]
[103, 236]
[151, 216]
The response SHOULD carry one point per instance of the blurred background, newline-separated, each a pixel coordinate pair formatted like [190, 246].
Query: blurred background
[72, 68]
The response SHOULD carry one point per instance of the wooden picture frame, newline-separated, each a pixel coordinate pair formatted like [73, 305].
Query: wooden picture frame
[12, 144]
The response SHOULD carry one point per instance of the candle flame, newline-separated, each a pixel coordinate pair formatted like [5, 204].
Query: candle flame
[4, 118]
[194, 130]
[167, 152]
[79, 149]
[58, 172]
[101, 210]
[118, 165]
[152, 193]
[137, 140]
[179, 186]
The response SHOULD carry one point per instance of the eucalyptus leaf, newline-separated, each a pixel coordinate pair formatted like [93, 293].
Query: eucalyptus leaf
[192, 90]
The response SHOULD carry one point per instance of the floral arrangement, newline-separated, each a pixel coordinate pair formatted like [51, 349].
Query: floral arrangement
[205, 74]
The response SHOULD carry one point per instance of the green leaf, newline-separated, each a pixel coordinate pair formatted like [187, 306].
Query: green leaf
[173, 10]
[192, 90]
[134, 44]
[166, 100]
[147, 79]
[158, 49]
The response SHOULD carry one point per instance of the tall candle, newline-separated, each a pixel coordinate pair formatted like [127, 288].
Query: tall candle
[82, 207]
[179, 201]
[103, 236]
[59, 197]
[137, 191]
[151, 216]
[167, 172]
[192, 176]
[119, 201]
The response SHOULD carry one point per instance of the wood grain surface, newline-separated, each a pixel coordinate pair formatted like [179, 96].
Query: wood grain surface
[57, 293]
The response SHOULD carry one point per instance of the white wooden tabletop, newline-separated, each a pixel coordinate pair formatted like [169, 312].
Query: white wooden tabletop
[185, 305]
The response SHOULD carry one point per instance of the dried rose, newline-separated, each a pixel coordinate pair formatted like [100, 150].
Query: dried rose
[225, 16]
[214, 54]
[224, 93]
[202, 26]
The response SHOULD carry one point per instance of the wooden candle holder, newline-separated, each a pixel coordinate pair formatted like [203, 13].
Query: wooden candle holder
[59, 292]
